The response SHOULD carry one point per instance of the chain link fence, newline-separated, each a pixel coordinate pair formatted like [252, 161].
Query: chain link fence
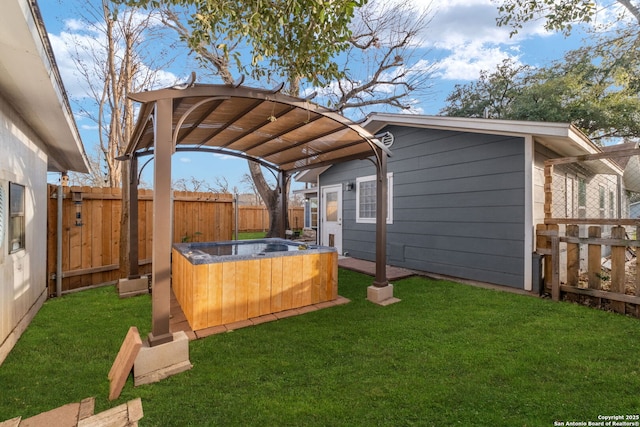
[606, 188]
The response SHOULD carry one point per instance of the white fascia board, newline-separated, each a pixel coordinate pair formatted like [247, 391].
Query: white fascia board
[554, 132]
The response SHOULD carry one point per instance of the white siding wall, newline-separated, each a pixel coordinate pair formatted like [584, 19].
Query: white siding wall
[22, 274]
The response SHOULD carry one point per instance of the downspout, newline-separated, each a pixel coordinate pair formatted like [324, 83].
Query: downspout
[59, 237]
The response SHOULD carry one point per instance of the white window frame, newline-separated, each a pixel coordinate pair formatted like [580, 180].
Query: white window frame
[17, 219]
[369, 178]
[582, 204]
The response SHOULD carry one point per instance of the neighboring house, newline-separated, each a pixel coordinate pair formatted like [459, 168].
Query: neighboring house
[37, 135]
[464, 195]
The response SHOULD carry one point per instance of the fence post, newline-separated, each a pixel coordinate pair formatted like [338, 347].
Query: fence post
[618, 261]
[555, 266]
[548, 191]
[573, 256]
[542, 243]
[594, 257]
[548, 259]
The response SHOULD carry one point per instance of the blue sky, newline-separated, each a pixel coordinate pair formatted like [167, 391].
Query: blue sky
[462, 39]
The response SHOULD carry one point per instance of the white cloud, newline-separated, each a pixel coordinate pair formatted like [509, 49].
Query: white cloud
[466, 62]
[185, 160]
[467, 40]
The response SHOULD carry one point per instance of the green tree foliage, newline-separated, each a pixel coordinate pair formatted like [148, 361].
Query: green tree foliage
[286, 38]
[558, 15]
[591, 88]
[561, 15]
[597, 86]
[490, 96]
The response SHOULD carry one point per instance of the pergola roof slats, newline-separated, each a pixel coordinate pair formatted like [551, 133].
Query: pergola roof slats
[289, 154]
[292, 135]
[284, 131]
[272, 133]
[259, 126]
[228, 116]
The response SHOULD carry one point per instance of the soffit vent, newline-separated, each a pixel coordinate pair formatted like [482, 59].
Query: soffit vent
[386, 138]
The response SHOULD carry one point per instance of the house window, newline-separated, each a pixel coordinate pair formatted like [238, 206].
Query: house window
[568, 205]
[16, 218]
[601, 201]
[582, 198]
[366, 199]
[331, 206]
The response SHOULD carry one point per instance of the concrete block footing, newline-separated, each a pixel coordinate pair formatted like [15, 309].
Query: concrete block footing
[133, 287]
[161, 361]
[381, 295]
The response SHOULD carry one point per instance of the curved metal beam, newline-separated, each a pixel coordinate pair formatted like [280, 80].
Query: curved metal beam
[184, 116]
[214, 150]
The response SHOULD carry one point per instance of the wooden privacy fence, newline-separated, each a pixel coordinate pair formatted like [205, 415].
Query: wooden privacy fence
[256, 218]
[610, 282]
[91, 230]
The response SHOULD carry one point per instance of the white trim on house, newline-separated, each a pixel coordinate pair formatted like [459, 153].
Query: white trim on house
[563, 138]
[529, 244]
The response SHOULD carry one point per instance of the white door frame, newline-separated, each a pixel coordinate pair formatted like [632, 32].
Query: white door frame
[331, 231]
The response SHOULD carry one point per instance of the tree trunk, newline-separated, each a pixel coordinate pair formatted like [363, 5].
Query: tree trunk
[271, 199]
[124, 221]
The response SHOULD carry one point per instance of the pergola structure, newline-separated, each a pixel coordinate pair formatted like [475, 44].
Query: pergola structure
[283, 133]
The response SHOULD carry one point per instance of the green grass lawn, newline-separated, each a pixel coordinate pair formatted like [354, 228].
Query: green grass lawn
[248, 235]
[447, 354]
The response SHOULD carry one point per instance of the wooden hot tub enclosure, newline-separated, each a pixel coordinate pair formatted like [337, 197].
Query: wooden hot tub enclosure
[217, 284]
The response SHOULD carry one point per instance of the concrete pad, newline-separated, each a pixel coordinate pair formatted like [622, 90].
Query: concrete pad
[132, 287]
[161, 361]
[381, 295]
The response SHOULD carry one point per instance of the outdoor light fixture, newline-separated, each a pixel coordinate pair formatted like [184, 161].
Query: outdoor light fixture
[77, 201]
[349, 186]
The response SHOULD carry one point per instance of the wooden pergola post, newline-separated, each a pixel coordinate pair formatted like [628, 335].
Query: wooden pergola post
[133, 218]
[282, 199]
[382, 193]
[161, 258]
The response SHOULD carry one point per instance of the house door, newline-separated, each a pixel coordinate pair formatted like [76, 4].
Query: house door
[331, 217]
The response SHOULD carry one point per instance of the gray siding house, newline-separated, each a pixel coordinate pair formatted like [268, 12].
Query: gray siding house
[464, 195]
